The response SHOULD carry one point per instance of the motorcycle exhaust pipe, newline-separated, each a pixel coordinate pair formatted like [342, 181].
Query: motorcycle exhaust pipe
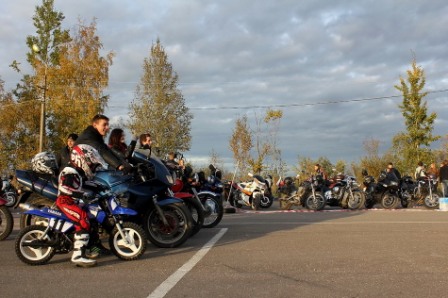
[26, 206]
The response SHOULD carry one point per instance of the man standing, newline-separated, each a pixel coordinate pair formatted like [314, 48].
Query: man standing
[443, 177]
[94, 135]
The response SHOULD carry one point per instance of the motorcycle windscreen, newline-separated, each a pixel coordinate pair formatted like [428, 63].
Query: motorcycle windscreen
[161, 171]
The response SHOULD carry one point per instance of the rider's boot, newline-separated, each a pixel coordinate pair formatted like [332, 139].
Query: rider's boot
[79, 252]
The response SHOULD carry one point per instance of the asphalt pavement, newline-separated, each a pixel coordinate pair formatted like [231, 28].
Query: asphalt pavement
[271, 253]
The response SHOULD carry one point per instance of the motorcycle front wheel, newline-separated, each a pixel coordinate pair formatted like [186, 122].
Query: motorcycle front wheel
[432, 202]
[315, 204]
[132, 245]
[389, 201]
[175, 232]
[6, 222]
[357, 201]
[32, 248]
[215, 211]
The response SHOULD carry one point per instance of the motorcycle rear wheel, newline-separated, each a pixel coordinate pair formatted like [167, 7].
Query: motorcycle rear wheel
[33, 256]
[6, 222]
[389, 201]
[131, 248]
[216, 211]
[358, 200]
[175, 233]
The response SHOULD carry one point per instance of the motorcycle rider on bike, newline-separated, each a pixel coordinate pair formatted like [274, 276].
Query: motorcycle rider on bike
[85, 160]
[392, 174]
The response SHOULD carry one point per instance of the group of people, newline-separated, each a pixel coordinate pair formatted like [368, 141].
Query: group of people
[78, 161]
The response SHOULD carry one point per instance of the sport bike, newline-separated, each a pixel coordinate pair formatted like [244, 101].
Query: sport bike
[247, 193]
[37, 244]
[385, 191]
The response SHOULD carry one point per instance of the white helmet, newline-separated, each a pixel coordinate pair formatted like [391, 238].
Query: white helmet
[44, 163]
[69, 181]
[88, 159]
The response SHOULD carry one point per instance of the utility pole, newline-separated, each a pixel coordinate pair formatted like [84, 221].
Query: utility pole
[42, 104]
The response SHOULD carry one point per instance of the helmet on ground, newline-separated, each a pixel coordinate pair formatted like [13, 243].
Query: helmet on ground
[88, 159]
[44, 163]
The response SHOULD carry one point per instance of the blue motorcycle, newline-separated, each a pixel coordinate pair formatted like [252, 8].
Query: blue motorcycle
[37, 244]
[166, 220]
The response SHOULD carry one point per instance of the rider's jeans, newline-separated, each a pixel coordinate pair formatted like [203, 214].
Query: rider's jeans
[445, 188]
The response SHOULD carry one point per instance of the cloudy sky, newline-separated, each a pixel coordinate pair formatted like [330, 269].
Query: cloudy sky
[331, 66]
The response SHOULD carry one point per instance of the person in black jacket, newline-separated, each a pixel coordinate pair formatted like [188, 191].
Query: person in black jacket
[443, 177]
[64, 155]
[94, 135]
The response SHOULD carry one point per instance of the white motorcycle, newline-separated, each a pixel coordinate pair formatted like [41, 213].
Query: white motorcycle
[248, 193]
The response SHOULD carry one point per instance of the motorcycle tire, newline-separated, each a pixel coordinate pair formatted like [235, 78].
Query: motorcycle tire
[197, 214]
[134, 244]
[432, 203]
[215, 211]
[256, 201]
[28, 219]
[11, 198]
[319, 205]
[33, 256]
[357, 201]
[178, 230]
[6, 222]
[389, 201]
[266, 201]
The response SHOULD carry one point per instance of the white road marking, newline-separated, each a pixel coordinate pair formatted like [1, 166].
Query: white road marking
[171, 281]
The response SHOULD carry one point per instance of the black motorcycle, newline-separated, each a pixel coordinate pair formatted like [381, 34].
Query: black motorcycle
[420, 192]
[384, 192]
[310, 193]
[344, 191]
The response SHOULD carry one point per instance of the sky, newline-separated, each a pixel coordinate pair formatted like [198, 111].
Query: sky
[330, 66]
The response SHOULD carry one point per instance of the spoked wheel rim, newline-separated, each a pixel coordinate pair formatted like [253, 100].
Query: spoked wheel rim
[131, 244]
[34, 253]
[432, 202]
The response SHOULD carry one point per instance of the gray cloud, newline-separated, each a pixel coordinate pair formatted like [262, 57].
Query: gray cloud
[252, 53]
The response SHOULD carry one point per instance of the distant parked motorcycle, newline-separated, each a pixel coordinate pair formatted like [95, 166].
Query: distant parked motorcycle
[420, 192]
[344, 191]
[6, 220]
[385, 191]
[310, 193]
[288, 194]
[8, 192]
[248, 193]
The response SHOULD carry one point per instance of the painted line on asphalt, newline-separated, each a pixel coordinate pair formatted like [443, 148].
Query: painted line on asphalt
[171, 281]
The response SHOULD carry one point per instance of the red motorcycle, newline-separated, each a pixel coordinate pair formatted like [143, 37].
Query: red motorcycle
[6, 221]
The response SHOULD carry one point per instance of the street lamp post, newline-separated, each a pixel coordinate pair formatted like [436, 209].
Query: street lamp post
[42, 104]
